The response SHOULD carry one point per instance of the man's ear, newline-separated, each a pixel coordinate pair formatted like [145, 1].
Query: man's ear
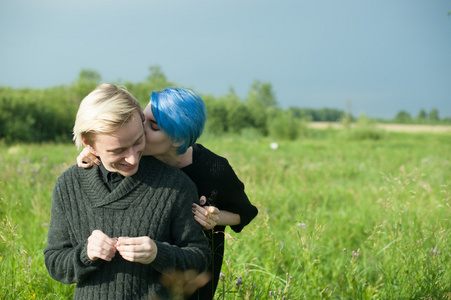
[91, 149]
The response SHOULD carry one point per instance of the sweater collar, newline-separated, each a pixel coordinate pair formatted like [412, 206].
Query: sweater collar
[119, 198]
[111, 179]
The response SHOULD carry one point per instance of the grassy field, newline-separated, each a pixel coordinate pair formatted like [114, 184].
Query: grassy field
[339, 217]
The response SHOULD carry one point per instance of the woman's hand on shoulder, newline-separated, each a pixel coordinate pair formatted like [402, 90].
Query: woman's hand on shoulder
[87, 159]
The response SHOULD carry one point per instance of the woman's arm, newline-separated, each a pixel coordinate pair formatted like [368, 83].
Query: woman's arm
[228, 218]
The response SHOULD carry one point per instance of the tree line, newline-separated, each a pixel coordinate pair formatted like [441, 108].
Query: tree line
[39, 115]
[423, 117]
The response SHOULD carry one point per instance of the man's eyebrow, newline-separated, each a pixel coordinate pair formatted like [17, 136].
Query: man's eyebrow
[115, 149]
[121, 148]
[137, 141]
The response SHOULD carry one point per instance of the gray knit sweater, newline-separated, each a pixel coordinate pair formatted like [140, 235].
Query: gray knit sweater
[155, 202]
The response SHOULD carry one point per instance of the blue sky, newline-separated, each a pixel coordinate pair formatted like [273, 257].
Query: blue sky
[382, 56]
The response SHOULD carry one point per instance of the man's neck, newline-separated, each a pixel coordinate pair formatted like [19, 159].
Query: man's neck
[111, 179]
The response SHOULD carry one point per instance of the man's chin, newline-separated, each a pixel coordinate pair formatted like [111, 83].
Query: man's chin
[128, 171]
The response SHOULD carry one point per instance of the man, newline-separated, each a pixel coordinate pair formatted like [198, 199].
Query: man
[116, 228]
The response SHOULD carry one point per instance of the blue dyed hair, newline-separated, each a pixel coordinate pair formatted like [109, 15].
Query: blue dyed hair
[181, 114]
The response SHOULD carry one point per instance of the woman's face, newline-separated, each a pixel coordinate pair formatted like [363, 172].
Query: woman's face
[157, 141]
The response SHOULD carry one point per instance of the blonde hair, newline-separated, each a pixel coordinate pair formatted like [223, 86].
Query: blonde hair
[103, 111]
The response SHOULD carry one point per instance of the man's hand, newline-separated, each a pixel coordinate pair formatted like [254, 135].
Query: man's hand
[101, 246]
[139, 249]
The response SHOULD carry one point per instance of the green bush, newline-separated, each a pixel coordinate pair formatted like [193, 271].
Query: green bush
[364, 129]
[36, 115]
[283, 126]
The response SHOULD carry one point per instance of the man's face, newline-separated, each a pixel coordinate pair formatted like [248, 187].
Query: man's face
[121, 150]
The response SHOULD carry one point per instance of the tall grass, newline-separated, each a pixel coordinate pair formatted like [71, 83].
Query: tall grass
[26, 182]
[339, 218]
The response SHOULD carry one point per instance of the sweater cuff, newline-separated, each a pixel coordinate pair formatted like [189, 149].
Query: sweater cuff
[84, 258]
[163, 260]
[244, 221]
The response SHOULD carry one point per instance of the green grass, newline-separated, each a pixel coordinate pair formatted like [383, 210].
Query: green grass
[339, 217]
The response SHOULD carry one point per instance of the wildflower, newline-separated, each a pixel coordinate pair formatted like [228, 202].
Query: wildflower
[434, 251]
[281, 245]
[303, 225]
[274, 146]
[221, 275]
[356, 254]
[270, 293]
[239, 281]
[344, 249]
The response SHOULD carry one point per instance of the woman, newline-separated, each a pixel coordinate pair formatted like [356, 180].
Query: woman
[174, 120]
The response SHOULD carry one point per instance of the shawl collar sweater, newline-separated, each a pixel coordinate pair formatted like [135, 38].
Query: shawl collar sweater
[154, 202]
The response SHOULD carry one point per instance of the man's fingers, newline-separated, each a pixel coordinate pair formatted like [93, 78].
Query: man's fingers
[97, 251]
[135, 245]
[101, 246]
[134, 248]
[98, 237]
[139, 249]
[133, 240]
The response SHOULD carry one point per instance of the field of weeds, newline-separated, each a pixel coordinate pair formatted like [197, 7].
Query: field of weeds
[339, 218]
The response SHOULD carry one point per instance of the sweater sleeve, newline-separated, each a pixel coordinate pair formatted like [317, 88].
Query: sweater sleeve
[189, 249]
[66, 262]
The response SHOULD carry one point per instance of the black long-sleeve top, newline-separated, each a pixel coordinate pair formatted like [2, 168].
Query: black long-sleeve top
[215, 178]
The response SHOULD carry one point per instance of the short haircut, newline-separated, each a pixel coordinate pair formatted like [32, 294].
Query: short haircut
[181, 114]
[103, 111]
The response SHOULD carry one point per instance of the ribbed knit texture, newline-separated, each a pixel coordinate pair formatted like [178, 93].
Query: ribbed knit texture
[209, 172]
[155, 202]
